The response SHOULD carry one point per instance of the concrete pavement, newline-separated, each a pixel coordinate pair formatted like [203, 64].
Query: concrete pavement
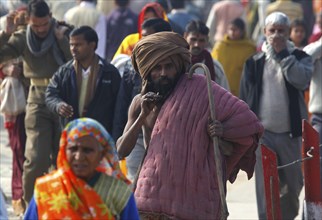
[6, 168]
[241, 198]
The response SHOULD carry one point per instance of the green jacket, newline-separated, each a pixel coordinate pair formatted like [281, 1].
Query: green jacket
[34, 67]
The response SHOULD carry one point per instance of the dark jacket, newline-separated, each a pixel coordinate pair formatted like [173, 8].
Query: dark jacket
[297, 71]
[120, 23]
[63, 87]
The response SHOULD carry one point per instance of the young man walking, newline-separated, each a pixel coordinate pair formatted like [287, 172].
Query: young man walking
[86, 86]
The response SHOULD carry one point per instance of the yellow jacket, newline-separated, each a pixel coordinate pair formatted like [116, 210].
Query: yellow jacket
[128, 44]
[232, 55]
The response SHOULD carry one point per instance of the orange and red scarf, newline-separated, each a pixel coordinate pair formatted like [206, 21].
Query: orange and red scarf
[60, 194]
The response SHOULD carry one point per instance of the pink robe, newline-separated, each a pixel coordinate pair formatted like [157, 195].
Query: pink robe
[178, 177]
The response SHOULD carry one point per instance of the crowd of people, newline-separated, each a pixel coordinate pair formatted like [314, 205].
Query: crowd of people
[114, 124]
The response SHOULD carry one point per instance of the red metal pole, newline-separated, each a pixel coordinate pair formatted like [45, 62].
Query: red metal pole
[311, 168]
[312, 180]
[271, 183]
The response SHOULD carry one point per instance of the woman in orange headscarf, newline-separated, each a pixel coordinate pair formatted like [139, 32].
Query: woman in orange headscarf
[150, 10]
[88, 183]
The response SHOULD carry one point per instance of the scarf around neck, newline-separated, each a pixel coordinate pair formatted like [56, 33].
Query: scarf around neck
[63, 195]
[39, 48]
[268, 50]
[91, 85]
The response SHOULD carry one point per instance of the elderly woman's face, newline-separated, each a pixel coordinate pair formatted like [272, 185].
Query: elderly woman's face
[83, 156]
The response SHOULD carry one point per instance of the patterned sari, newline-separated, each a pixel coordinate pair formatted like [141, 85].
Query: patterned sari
[62, 195]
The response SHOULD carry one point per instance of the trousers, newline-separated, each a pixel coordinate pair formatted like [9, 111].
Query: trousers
[43, 133]
[17, 141]
[287, 150]
[135, 158]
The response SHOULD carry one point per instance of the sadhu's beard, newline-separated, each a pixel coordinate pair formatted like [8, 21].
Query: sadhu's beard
[162, 86]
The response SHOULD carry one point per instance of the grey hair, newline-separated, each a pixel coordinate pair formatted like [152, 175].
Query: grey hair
[277, 18]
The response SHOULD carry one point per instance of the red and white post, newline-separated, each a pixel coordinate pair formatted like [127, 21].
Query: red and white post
[271, 184]
[311, 168]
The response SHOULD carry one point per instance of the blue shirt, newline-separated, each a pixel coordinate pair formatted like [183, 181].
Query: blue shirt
[129, 212]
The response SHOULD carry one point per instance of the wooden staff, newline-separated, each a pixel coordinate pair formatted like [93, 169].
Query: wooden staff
[218, 161]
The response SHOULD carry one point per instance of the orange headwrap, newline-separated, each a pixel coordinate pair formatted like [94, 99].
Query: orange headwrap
[129, 42]
[61, 194]
[157, 8]
[149, 51]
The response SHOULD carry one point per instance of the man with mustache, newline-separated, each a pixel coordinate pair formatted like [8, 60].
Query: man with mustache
[129, 88]
[178, 179]
[196, 34]
[43, 45]
[273, 83]
[87, 85]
